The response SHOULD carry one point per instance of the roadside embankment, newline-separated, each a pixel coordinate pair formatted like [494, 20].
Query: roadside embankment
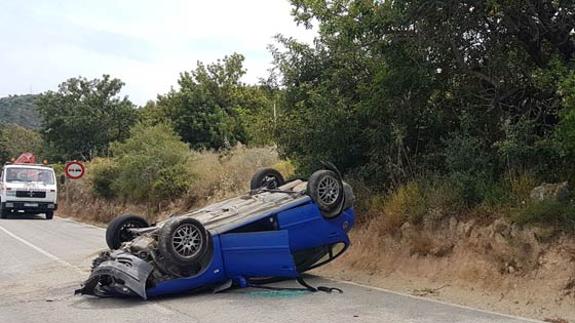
[495, 266]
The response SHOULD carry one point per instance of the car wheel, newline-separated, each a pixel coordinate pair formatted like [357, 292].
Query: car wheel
[49, 215]
[183, 242]
[267, 178]
[3, 214]
[117, 231]
[326, 190]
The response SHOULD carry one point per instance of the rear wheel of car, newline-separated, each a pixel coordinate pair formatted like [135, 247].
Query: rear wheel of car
[267, 178]
[326, 190]
[118, 232]
[183, 242]
[49, 215]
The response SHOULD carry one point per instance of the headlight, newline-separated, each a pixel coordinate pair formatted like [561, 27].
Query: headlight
[10, 193]
[50, 206]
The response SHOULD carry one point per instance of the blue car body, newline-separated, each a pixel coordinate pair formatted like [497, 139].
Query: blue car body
[241, 256]
[281, 235]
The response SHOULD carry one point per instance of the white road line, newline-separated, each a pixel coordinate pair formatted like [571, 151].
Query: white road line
[44, 252]
[159, 307]
[435, 301]
[86, 225]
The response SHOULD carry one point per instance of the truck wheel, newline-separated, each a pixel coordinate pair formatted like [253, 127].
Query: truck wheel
[267, 178]
[3, 214]
[49, 215]
[326, 190]
[117, 231]
[183, 242]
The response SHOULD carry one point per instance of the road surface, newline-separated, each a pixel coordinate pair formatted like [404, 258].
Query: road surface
[42, 262]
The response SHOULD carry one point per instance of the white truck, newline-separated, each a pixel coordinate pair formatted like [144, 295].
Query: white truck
[27, 188]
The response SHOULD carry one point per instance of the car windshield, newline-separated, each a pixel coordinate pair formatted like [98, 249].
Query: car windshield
[29, 175]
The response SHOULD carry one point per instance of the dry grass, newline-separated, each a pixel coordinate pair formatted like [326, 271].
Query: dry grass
[77, 200]
[521, 186]
[215, 176]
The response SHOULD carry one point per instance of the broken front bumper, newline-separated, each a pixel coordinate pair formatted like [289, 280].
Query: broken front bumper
[123, 274]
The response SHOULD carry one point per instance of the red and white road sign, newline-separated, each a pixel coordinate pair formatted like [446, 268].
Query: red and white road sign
[74, 170]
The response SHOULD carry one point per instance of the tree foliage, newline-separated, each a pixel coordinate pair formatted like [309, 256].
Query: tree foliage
[212, 108]
[392, 89]
[84, 116]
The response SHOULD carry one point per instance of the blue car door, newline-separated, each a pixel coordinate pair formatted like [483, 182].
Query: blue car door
[258, 254]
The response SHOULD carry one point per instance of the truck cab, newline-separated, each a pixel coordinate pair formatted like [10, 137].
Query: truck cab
[28, 189]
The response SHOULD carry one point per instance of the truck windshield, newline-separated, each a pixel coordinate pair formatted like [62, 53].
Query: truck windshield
[29, 175]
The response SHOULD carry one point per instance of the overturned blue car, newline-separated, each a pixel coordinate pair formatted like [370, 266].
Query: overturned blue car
[277, 230]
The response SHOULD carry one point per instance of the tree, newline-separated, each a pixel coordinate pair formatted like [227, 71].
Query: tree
[84, 116]
[205, 111]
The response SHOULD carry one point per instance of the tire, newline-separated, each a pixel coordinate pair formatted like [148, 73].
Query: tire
[117, 231]
[3, 214]
[49, 215]
[183, 242]
[326, 189]
[267, 178]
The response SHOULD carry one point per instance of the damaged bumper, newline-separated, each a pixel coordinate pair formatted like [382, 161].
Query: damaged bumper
[123, 274]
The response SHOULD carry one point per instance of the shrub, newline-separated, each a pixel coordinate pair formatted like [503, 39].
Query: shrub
[558, 214]
[151, 165]
[444, 198]
[521, 186]
[101, 173]
[218, 175]
[407, 203]
[470, 187]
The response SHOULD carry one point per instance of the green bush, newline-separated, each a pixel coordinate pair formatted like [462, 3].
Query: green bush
[151, 165]
[101, 173]
[558, 214]
[444, 198]
[406, 203]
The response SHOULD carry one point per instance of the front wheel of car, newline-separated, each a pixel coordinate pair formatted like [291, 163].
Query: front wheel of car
[49, 215]
[326, 190]
[183, 242]
[118, 231]
[3, 214]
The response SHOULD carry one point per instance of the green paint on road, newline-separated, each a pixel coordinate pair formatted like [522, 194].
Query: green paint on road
[278, 293]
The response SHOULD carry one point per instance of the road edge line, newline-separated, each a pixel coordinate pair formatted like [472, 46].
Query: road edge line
[515, 317]
[84, 224]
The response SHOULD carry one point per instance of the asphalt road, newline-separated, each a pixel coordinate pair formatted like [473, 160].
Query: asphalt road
[42, 262]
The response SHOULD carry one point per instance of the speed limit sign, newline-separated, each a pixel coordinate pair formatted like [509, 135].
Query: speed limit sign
[74, 170]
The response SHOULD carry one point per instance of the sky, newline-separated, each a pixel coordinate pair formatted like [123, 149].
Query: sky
[145, 43]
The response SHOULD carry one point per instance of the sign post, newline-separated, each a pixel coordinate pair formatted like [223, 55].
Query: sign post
[73, 170]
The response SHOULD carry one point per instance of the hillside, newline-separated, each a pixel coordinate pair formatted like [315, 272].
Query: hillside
[20, 110]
